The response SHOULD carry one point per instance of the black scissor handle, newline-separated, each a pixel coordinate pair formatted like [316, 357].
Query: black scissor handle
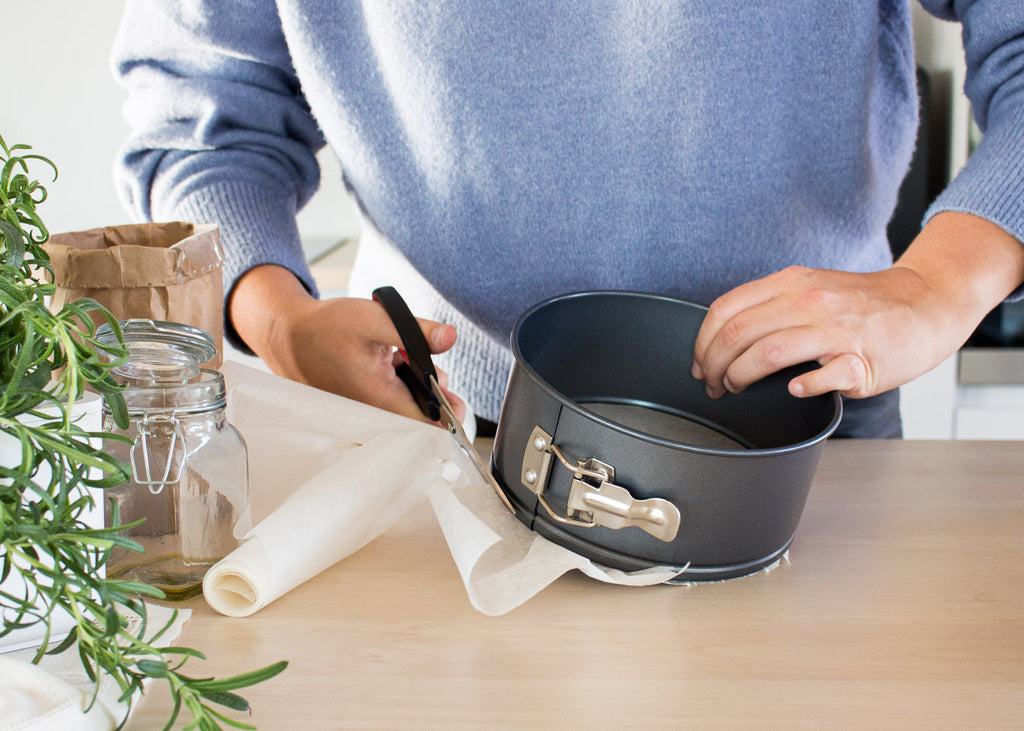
[418, 368]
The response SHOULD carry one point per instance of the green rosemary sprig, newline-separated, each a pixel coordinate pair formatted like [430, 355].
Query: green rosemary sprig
[46, 362]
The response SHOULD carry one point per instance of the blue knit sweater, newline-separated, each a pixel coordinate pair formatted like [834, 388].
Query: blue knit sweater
[509, 151]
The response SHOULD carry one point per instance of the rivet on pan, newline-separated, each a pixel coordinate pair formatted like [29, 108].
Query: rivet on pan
[540, 444]
[531, 476]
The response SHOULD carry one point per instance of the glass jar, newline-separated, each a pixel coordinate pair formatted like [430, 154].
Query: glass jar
[189, 490]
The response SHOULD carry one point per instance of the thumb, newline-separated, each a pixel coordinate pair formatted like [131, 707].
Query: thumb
[846, 373]
[440, 336]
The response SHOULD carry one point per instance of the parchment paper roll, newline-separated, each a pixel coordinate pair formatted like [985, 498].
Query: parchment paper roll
[328, 475]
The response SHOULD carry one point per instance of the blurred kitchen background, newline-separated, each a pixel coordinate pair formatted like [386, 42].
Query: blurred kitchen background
[60, 98]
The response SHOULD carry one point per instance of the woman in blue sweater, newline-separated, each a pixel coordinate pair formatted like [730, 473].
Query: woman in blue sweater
[742, 155]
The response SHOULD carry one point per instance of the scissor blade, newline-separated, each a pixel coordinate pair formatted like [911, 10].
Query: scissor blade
[454, 426]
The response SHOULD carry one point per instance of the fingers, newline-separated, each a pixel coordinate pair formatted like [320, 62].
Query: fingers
[440, 338]
[346, 346]
[795, 316]
[727, 307]
[381, 386]
[768, 353]
[459, 407]
[757, 341]
[751, 331]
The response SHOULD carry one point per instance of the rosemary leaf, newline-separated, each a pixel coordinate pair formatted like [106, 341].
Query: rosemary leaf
[47, 361]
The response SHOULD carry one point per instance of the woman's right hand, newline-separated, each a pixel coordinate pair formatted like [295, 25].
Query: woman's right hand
[344, 345]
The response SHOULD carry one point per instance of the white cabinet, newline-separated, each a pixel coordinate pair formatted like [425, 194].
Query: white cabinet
[973, 395]
[990, 394]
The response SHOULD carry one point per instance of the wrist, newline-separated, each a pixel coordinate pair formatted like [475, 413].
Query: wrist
[261, 306]
[968, 266]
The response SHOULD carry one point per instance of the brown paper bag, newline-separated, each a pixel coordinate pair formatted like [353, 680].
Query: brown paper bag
[159, 271]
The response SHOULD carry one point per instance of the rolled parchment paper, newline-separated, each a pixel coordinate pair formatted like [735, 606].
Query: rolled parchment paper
[335, 513]
[327, 476]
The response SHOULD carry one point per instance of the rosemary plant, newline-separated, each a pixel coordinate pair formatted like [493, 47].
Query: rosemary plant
[46, 362]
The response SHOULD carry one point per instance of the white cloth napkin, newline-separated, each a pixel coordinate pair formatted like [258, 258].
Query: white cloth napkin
[52, 695]
[328, 475]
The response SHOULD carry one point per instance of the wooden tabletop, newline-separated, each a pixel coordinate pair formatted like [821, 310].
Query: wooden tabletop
[902, 604]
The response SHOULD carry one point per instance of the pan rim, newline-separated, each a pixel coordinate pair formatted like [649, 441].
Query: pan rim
[566, 402]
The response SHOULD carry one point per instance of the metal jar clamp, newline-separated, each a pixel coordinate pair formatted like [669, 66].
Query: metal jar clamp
[157, 425]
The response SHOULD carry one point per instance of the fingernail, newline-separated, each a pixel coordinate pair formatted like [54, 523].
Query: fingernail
[796, 388]
[696, 371]
[728, 386]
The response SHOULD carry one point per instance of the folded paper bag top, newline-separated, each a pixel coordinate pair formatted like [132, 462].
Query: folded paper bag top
[155, 271]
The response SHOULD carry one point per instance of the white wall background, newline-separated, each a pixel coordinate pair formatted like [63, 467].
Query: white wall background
[60, 97]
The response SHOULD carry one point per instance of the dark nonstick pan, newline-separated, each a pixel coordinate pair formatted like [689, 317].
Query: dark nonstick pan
[608, 446]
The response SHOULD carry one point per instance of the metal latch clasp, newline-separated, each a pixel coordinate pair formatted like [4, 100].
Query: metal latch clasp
[594, 499]
[156, 433]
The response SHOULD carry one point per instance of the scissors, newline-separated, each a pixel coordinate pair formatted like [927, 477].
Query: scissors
[420, 377]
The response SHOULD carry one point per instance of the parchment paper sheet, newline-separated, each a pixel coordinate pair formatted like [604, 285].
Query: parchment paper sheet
[329, 475]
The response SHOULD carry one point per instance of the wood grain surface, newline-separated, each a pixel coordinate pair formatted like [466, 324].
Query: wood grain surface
[901, 604]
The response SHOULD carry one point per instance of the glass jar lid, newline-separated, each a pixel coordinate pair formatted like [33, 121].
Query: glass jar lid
[206, 392]
[160, 351]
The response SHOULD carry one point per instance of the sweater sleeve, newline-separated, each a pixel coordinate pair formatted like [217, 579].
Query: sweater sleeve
[220, 130]
[991, 185]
